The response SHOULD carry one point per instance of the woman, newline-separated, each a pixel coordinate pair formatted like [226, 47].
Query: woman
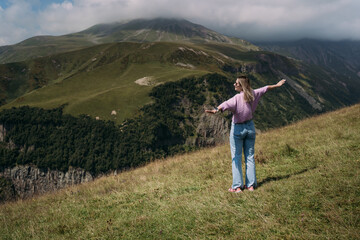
[242, 134]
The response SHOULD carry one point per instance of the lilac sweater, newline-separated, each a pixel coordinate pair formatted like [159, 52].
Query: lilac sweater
[243, 111]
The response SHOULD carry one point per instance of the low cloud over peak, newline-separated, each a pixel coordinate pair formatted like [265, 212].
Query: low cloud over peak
[260, 20]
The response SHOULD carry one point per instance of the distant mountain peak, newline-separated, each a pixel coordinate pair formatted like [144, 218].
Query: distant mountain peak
[137, 30]
[141, 23]
[157, 29]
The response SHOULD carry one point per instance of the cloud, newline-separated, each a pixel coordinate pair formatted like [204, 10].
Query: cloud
[252, 20]
[16, 21]
[290, 19]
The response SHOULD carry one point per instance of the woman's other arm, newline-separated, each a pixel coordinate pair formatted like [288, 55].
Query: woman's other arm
[214, 110]
[227, 105]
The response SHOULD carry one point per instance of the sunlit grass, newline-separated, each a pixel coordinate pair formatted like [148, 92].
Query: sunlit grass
[105, 89]
[308, 176]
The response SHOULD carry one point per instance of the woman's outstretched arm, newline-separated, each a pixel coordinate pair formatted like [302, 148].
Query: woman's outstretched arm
[279, 84]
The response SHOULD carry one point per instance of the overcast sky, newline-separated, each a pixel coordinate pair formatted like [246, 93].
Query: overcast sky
[253, 20]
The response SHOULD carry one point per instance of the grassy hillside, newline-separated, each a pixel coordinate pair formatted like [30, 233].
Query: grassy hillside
[101, 79]
[308, 175]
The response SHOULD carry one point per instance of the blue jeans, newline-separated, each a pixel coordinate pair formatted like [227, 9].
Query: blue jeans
[242, 136]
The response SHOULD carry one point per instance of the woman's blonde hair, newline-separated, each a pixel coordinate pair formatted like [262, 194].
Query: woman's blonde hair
[248, 91]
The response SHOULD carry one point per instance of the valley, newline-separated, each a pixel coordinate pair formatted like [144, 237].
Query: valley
[116, 96]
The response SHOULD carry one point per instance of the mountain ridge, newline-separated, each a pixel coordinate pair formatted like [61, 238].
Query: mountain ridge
[336, 56]
[138, 30]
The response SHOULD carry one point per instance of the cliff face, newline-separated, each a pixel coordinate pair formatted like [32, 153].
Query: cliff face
[27, 181]
[22, 182]
[211, 130]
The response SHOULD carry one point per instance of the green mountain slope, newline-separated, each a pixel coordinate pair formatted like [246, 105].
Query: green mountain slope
[119, 77]
[100, 79]
[103, 78]
[40, 46]
[139, 30]
[307, 190]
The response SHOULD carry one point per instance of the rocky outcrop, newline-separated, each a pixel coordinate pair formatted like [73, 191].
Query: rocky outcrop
[27, 181]
[2, 132]
[7, 190]
[245, 68]
[212, 130]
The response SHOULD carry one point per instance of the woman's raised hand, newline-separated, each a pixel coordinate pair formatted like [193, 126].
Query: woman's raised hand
[281, 82]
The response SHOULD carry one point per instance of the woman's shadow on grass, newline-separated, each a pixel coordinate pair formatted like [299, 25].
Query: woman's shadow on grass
[277, 178]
